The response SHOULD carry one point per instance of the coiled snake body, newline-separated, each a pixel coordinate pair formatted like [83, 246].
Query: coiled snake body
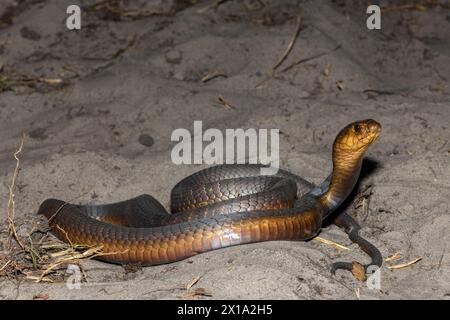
[220, 207]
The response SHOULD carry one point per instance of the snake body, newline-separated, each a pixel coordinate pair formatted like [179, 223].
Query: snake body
[219, 207]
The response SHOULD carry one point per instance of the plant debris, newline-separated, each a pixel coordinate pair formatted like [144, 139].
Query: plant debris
[291, 43]
[213, 75]
[224, 103]
[190, 294]
[405, 265]
[11, 81]
[331, 243]
[193, 282]
[357, 293]
[11, 200]
[296, 63]
[33, 256]
[395, 256]
[363, 201]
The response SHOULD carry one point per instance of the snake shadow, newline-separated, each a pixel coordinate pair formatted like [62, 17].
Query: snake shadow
[369, 167]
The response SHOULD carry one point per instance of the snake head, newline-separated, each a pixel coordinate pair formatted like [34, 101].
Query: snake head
[357, 136]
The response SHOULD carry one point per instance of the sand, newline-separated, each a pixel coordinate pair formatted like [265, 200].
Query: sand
[124, 78]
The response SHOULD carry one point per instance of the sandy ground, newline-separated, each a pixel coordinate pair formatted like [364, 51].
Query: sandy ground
[128, 77]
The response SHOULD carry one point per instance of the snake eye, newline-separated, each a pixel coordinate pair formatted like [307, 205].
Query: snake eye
[357, 128]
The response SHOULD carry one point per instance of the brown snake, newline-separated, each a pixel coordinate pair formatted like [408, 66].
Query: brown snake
[219, 207]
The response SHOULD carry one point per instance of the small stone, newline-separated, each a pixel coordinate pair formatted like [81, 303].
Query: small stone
[30, 34]
[173, 56]
[146, 140]
[179, 76]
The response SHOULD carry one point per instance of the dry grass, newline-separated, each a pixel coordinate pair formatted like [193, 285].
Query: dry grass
[12, 232]
[275, 69]
[331, 243]
[128, 46]
[357, 293]
[301, 61]
[36, 256]
[225, 103]
[405, 265]
[362, 201]
[291, 43]
[11, 81]
[193, 282]
[393, 257]
[46, 259]
[288, 49]
[295, 64]
[397, 256]
[211, 76]
[190, 293]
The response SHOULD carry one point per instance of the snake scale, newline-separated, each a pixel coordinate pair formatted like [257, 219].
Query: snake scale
[222, 206]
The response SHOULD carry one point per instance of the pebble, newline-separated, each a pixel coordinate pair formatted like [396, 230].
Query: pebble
[146, 140]
[173, 56]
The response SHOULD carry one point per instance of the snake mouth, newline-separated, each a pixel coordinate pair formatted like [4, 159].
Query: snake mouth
[375, 137]
[374, 127]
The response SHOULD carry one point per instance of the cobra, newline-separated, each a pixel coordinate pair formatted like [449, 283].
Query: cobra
[222, 206]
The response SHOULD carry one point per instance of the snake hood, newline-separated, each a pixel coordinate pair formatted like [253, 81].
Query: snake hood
[348, 150]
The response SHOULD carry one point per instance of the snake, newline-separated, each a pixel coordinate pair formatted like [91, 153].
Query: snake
[222, 206]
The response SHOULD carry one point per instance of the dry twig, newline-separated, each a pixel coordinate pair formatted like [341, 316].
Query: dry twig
[395, 256]
[121, 51]
[291, 43]
[11, 199]
[357, 292]
[404, 265]
[190, 294]
[211, 76]
[224, 103]
[294, 64]
[331, 243]
[10, 81]
[193, 282]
